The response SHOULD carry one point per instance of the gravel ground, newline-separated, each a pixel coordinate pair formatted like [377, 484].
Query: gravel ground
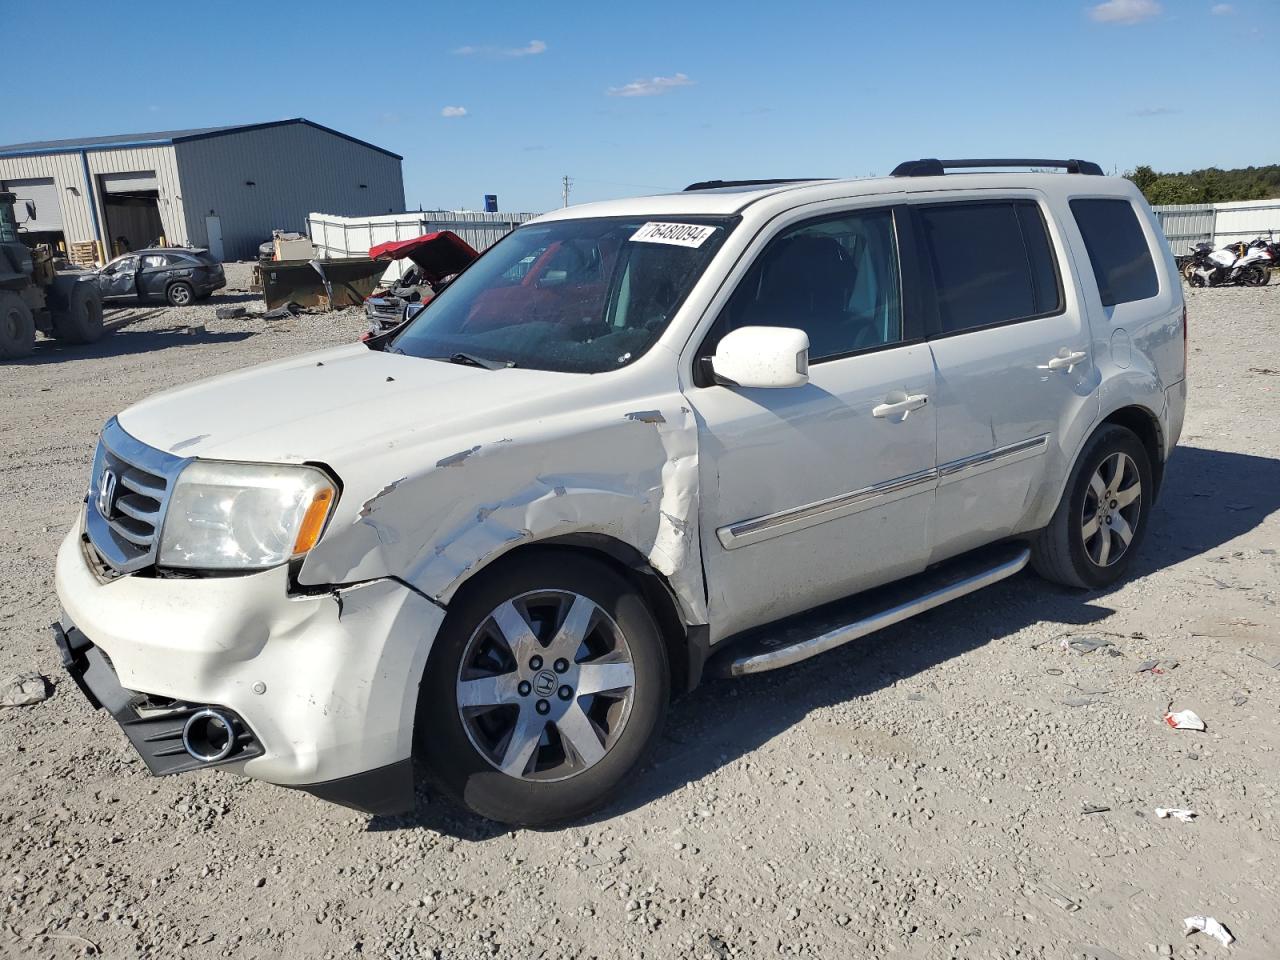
[921, 793]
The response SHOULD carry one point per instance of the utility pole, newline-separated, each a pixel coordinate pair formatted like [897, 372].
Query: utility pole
[565, 184]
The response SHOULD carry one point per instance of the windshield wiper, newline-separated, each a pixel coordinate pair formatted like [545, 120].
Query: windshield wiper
[471, 360]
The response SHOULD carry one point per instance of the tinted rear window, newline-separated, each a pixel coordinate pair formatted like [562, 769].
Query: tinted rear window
[992, 263]
[1118, 250]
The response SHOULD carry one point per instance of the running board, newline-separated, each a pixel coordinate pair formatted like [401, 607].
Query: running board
[783, 643]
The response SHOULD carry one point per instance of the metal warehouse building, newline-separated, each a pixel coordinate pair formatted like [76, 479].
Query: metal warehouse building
[225, 188]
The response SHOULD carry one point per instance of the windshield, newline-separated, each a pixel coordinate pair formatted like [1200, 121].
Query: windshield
[8, 228]
[577, 296]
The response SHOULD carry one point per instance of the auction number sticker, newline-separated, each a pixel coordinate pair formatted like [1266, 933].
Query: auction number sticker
[677, 234]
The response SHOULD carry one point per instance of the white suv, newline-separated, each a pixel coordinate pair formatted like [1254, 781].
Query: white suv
[634, 443]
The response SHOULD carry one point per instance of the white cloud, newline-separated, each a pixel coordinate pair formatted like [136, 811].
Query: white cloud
[530, 49]
[1153, 111]
[651, 87]
[1222, 9]
[1125, 11]
[453, 112]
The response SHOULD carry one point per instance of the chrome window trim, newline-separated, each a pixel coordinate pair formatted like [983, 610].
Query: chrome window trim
[766, 527]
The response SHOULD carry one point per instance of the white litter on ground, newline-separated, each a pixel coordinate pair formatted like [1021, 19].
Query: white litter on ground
[1210, 926]
[1184, 720]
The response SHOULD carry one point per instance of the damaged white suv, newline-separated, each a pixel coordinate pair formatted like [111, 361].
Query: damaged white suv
[635, 442]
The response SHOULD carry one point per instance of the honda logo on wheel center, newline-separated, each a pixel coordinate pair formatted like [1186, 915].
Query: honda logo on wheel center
[544, 684]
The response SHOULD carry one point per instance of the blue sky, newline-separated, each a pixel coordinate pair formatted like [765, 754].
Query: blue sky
[634, 97]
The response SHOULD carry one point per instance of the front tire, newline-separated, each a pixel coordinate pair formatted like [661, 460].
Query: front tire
[17, 327]
[82, 323]
[180, 294]
[1099, 524]
[545, 690]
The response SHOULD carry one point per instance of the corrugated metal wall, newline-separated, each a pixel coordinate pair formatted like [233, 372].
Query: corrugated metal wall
[295, 169]
[65, 169]
[1186, 224]
[67, 172]
[336, 236]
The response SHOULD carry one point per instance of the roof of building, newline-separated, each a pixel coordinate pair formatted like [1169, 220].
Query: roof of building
[165, 138]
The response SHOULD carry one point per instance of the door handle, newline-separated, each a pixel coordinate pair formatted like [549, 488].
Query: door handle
[1068, 363]
[913, 402]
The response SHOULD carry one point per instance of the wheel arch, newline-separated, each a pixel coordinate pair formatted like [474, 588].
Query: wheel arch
[1146, 425]
[686, 644]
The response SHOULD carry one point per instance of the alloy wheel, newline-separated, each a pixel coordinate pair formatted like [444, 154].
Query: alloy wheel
[1112, 508]
[545, 686]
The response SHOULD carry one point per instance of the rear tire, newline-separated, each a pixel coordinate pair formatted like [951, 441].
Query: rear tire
[483, 696]
[82, 323]
[17, 327]
[1099, 524]
[180, 294]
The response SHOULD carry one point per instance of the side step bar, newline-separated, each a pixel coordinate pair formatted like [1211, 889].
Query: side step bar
[786, 642]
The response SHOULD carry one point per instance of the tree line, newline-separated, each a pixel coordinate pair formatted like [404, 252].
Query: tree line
[1211, 185]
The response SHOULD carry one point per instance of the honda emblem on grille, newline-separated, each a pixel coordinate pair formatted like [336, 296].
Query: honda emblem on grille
[106, 492]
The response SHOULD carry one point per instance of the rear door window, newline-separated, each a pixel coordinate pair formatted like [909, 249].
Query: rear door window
[1118, 250]
[992, 262]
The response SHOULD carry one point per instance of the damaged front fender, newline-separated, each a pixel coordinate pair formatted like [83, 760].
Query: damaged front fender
[630, 474]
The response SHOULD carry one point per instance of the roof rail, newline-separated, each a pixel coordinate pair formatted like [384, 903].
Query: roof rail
[936, 168]
[714, 184]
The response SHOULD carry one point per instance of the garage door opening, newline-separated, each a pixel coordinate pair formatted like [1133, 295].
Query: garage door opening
[131, 208]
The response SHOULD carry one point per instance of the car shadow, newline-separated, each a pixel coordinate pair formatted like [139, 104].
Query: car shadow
[124, 342]
[724, 720]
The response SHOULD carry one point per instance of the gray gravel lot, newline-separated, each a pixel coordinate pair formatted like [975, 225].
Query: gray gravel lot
[917, 794]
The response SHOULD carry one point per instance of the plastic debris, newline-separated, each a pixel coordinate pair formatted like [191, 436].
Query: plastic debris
[1184, 720]
[1085, 644]
[1210, 926]
[1157, 667]
[1086, 811]
[1186, 816]
[24, 690]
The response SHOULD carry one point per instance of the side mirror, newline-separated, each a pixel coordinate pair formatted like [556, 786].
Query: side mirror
[31, 210]
[762, 357]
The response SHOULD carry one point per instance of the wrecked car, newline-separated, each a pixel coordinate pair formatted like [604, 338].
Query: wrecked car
[178, 275]
[717, 433]
[436, 258]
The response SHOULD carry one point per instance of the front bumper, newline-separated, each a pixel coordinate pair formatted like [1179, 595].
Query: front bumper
[325, 685]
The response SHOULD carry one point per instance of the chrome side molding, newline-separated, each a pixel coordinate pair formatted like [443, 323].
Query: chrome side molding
[745, 532]
[798, 518]
[1000, 456]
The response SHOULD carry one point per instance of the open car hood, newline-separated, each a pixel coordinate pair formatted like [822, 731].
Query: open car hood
[437, 255]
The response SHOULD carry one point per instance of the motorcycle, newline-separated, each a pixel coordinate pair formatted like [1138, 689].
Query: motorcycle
[1237, 264]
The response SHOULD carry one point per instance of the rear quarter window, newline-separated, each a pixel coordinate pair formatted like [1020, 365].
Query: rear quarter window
[1118, 250]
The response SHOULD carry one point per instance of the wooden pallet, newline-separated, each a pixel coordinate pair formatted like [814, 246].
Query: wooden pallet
[84, 253]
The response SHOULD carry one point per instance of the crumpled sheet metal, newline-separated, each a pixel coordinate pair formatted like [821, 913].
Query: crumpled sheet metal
[437, 524]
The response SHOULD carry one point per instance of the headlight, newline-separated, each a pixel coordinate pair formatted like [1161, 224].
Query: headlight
[244, 516]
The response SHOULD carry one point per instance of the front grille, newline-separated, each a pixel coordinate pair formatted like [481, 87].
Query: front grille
[128, 492]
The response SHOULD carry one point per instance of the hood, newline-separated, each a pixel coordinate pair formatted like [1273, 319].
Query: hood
[437, 255]
[340, 405]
